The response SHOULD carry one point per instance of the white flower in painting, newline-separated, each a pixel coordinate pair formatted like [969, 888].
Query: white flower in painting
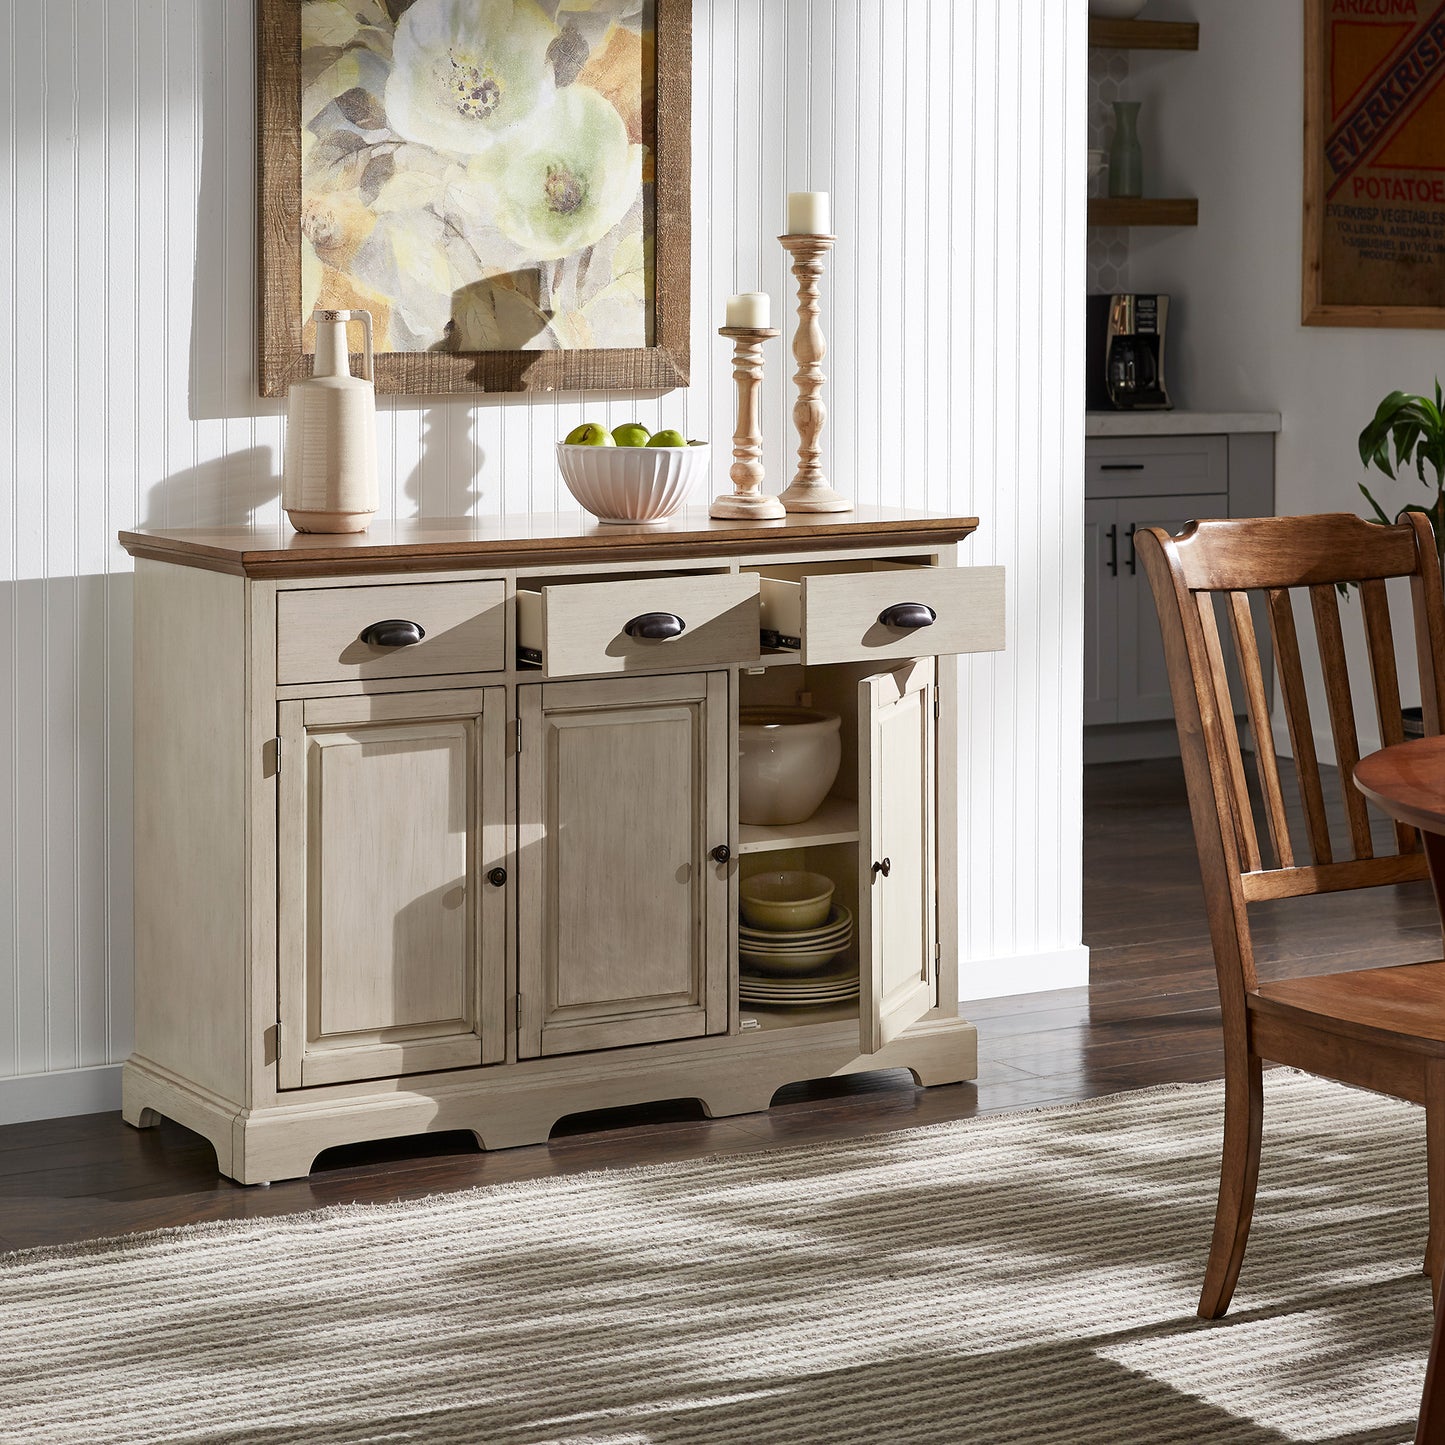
[466, 70]
[563, 183]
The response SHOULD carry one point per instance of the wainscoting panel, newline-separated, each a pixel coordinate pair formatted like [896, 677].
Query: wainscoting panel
[951, 137]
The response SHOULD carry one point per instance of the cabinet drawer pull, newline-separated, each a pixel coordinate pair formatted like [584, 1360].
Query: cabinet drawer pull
[1121, 466]
[885, 867]
[908, 616]
[497, 877]
[394, 632]
[656, 626]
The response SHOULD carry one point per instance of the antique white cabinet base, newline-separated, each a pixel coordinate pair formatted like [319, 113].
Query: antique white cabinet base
[518, 1104]
[411, 857]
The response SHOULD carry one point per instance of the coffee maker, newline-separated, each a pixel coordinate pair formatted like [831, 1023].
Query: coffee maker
[1126, 352]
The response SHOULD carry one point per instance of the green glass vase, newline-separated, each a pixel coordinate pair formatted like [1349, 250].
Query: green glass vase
[1126, 160]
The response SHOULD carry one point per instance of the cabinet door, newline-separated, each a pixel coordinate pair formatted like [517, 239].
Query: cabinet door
[897, 883]
[392, 949]
[1101, 612]
[623, 790]
[1143, 674]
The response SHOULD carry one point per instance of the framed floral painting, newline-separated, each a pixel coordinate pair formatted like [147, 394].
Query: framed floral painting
[503, 184]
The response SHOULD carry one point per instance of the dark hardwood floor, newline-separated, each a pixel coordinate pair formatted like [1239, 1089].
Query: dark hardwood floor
[1149, 1016]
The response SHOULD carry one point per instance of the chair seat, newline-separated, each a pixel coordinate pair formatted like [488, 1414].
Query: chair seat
[1402, 1006]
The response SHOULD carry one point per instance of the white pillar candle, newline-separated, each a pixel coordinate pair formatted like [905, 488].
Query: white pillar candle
[808, 214]
[753, 309]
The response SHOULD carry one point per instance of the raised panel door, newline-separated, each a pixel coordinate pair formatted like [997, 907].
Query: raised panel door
[387, 931]
[897, 821]
[622, 796]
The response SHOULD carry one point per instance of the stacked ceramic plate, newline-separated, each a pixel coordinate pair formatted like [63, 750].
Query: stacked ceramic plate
[790, 966]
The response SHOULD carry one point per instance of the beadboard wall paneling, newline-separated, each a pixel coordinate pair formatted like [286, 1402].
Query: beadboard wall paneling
[951, 137]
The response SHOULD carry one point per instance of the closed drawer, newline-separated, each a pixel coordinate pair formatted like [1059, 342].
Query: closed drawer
[318, 632]
[1149, 466]
[864, 612]
[578, 628]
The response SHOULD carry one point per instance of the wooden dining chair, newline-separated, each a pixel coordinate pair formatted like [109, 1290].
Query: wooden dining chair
[1378, 1028]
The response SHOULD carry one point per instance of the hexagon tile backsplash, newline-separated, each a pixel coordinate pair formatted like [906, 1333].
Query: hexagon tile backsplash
[1108, 263]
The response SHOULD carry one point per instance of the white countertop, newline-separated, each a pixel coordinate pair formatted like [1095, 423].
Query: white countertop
[1177, 423]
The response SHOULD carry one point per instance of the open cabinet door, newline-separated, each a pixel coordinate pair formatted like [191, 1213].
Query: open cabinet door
[897, 927]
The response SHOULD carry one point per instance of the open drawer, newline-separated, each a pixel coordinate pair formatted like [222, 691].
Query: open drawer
[865, 611]
[675, 622]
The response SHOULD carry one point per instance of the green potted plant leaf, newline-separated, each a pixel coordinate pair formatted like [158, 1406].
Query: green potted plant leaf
[1410, 430]
[1413, 429]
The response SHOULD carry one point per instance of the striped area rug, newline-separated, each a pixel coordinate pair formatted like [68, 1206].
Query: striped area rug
[1028, 1277]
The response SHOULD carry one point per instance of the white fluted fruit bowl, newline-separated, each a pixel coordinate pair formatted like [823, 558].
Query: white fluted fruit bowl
[632, 484]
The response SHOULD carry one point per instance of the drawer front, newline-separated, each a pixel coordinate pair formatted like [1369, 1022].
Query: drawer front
[583, 624]
[1149, 466]
[841, 613]
[318, 633]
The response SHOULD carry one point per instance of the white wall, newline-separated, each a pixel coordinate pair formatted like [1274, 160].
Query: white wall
[951, 136]
[1226, 124]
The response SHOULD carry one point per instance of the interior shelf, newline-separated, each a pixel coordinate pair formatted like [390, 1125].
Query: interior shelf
[791, 1018]
[1143, 34]
[1143, 211]
[835, 822]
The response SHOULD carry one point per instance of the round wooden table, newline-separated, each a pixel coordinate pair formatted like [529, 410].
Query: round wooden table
[1407, 781]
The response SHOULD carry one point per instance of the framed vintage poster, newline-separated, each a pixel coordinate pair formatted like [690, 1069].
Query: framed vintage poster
[503, 184]
[1374, 177]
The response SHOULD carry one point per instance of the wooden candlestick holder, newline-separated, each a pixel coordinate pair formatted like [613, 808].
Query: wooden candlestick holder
[746, 498]
[810, 491]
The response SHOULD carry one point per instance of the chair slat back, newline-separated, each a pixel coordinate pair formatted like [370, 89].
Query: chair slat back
[1271, 557]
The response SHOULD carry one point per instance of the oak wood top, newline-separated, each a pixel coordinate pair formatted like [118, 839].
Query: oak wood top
[1408, 782]
[431, 543]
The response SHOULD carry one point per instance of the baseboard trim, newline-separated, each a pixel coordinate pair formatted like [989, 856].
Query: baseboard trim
[980, 978]
[59, 1095]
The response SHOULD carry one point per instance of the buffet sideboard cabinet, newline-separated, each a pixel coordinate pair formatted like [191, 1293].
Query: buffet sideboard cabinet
[428, 837]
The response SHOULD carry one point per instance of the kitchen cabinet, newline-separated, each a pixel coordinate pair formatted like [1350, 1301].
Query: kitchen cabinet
[623, 864]
[430, 836]
[1151, 481]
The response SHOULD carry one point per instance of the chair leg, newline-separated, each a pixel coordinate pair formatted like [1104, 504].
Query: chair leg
[1238, 1176]
[1435, 1173]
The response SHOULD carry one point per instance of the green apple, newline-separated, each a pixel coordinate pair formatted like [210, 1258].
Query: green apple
[668, 438]
[631, 434]
[589, 434]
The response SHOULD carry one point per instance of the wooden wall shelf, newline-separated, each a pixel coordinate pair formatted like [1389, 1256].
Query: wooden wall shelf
[1143, 34]
[1143, 211]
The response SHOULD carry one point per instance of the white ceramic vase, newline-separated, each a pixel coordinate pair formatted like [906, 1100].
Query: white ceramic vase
[329, 482]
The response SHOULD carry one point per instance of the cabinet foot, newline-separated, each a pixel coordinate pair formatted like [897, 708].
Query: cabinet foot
[139, 1117]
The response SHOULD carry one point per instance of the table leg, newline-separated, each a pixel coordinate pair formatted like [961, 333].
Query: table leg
[1431, 1429]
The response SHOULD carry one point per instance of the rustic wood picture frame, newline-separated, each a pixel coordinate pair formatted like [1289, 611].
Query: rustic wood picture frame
[1314, 310]
[281, 358]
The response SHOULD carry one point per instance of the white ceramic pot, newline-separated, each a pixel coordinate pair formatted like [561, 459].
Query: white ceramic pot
[788, 758]
[1116, 9]
[632, 484]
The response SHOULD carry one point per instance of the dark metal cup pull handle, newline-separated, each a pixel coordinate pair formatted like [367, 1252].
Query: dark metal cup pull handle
[394, 632]
[885, 867]
[656, 626]
[908, 616]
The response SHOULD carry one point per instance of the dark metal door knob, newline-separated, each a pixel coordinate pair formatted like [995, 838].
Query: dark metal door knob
[656, 626]
[908, 616]
[721, 853]
[497, 877]
[394, 632]
[885, 867]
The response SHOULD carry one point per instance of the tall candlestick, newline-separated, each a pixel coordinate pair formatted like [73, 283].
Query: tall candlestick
[747, 499]
[808, 213]
[753, 310]
[810, 491]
